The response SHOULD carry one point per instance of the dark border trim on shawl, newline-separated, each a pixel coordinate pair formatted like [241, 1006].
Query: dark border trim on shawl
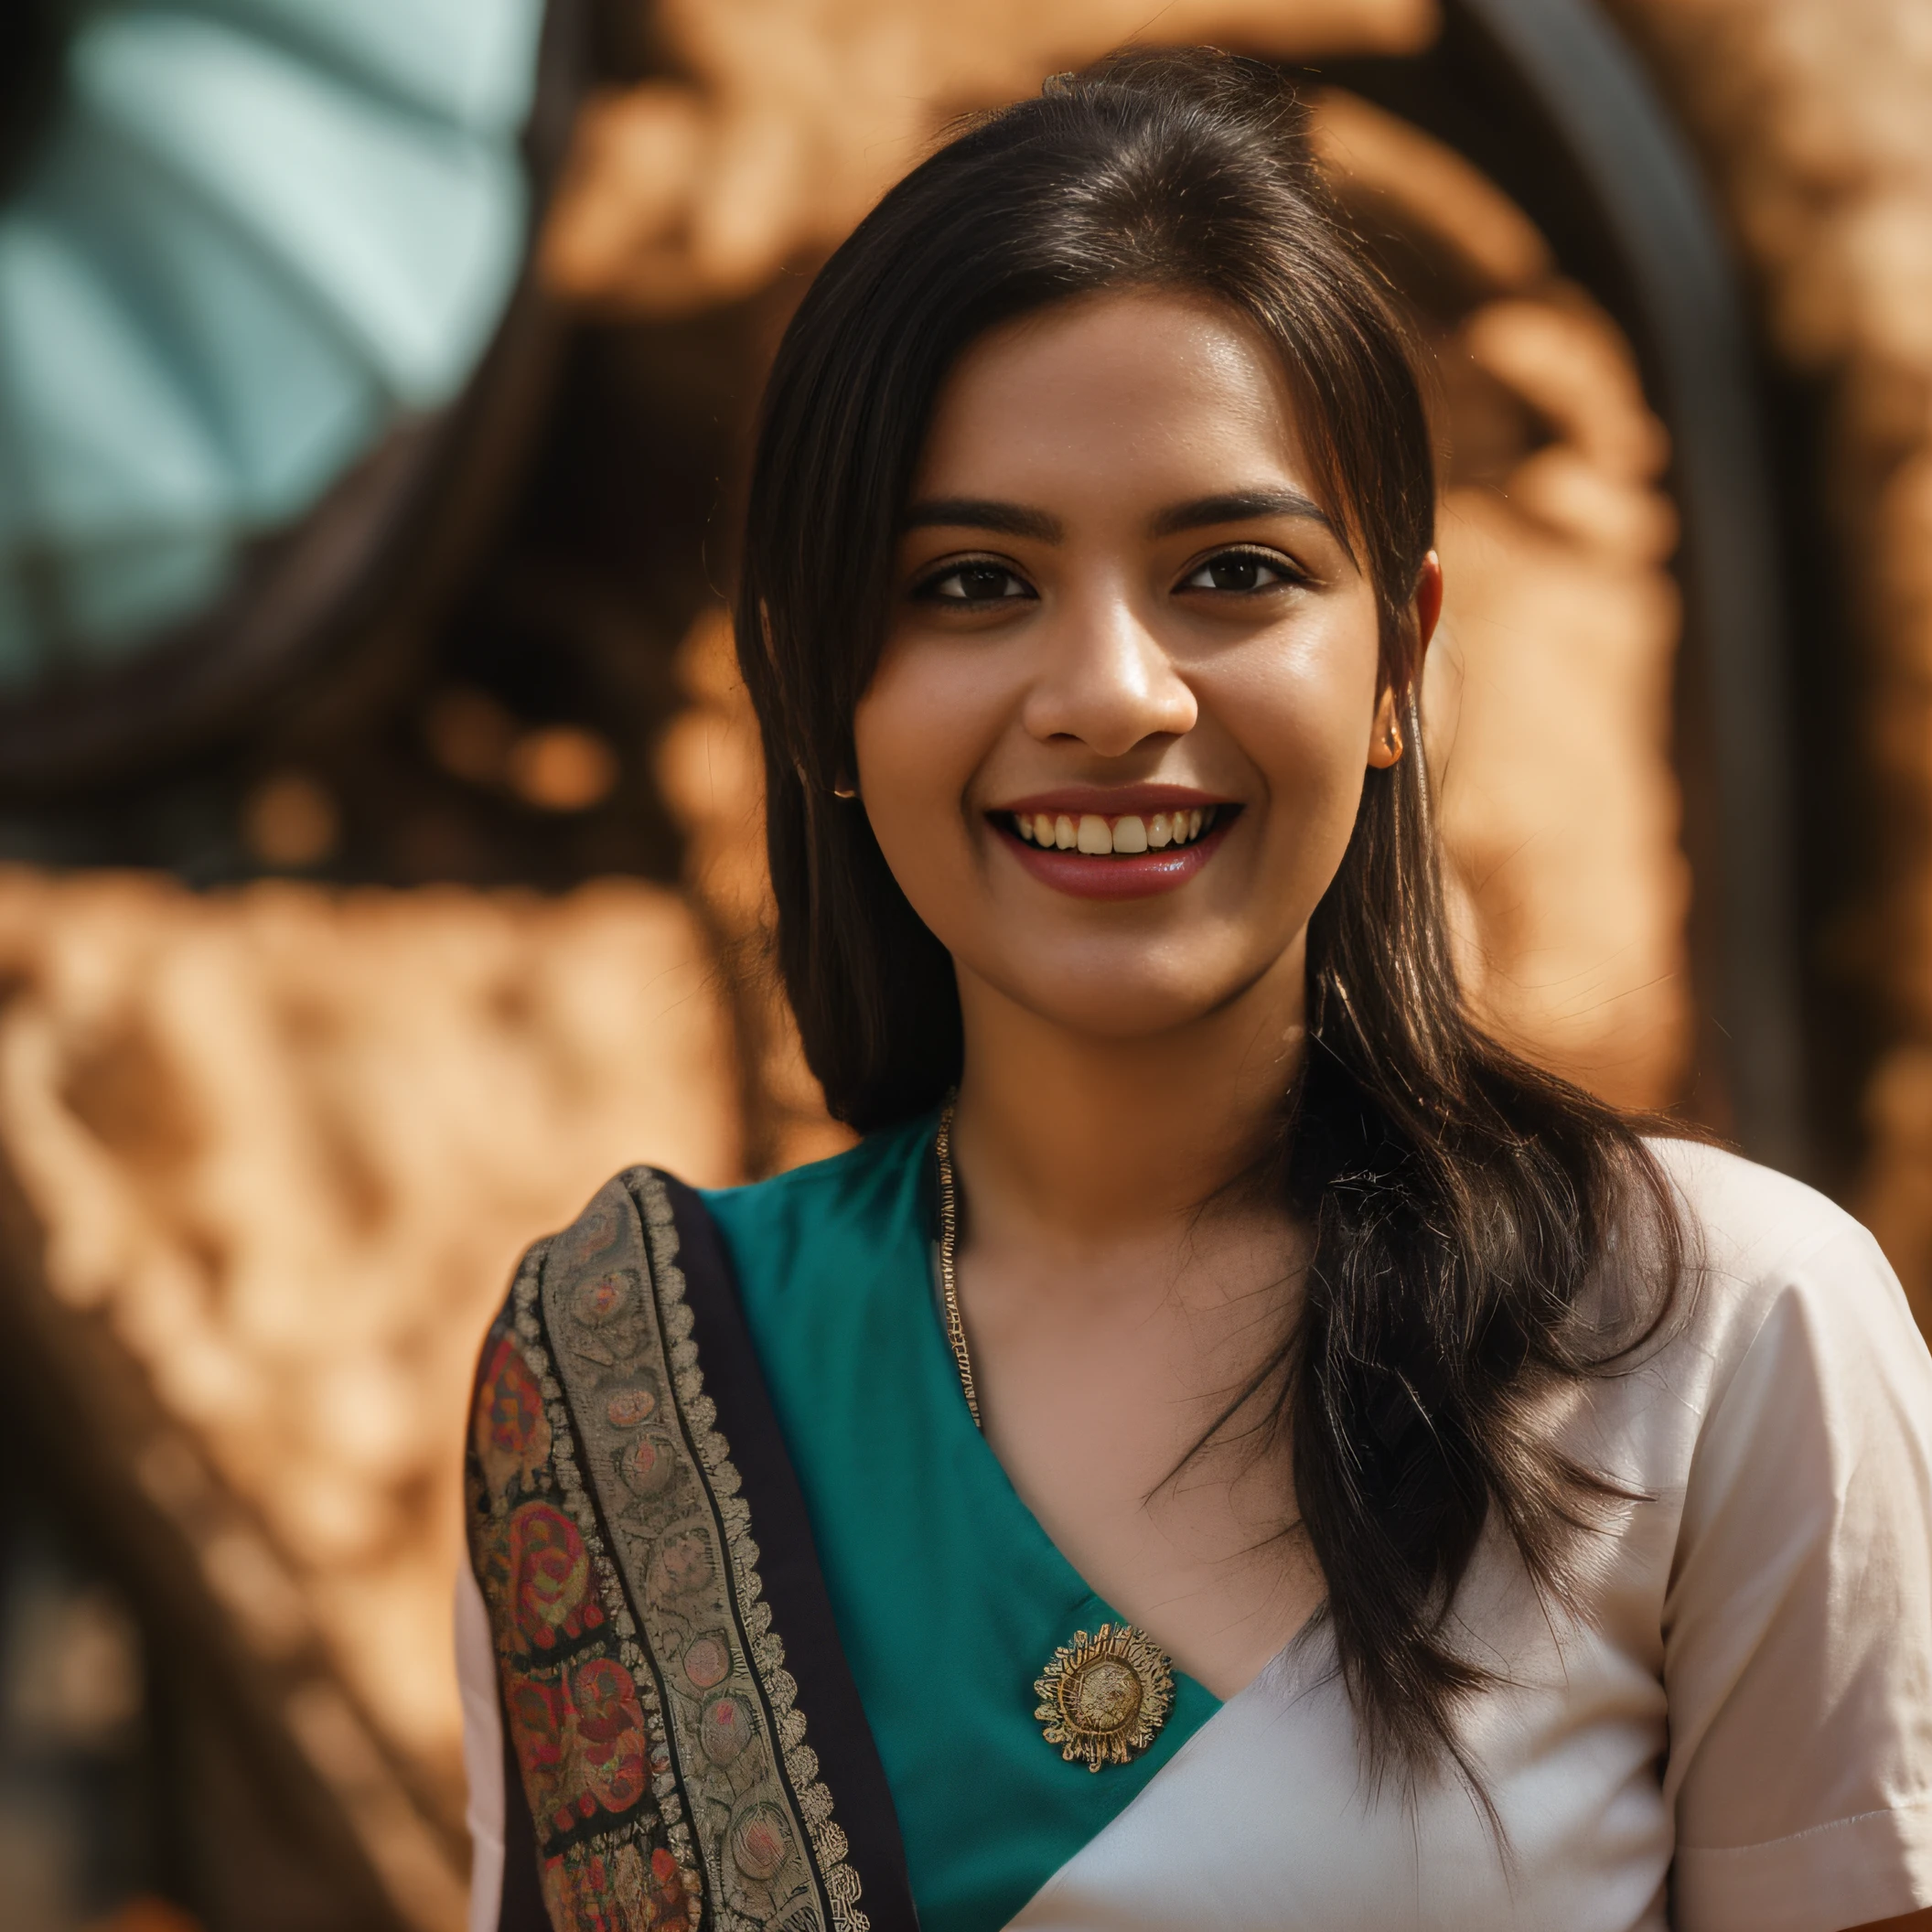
[795, 1588]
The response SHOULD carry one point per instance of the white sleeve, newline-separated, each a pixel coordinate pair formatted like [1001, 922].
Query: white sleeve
[1797, 1632]
[482, 1751]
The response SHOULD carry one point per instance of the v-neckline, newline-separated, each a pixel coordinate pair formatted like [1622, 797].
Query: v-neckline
[957, 1412]
[1022, 1508]
[1025, 1519]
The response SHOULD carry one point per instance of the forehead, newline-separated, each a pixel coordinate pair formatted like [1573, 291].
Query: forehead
[1161, 390]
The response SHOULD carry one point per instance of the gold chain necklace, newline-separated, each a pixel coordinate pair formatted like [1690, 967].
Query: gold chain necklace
[1104, 1698]
[948, 1272]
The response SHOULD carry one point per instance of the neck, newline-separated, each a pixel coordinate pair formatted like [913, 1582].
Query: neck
[1091, 1137]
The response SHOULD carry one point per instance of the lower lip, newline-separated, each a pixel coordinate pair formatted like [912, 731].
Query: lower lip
[1085, 877]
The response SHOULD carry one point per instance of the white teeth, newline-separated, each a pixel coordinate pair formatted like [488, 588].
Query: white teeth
[1130, 834]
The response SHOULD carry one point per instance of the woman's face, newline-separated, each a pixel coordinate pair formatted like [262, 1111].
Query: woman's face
[1115, 742]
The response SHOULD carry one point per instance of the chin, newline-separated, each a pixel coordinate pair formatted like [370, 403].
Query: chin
[1122, 1007]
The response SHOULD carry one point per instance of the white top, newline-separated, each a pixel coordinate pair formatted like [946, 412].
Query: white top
[1734, 1736]
[482, 1752]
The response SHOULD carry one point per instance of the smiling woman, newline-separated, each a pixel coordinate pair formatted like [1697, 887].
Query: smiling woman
[1232, 1445]
[1195, 671]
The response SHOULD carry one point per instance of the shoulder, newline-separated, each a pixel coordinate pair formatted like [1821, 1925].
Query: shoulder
[1752, 1215]
[1758, 1232]
[1775, 1272]
[638, 1221]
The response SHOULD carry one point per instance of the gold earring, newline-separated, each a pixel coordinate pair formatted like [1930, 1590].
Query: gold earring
[845, 792]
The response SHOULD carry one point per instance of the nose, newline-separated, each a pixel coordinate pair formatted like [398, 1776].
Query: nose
[1105, 679]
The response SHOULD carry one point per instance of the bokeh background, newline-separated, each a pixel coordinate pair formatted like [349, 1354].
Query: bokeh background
[380, 858]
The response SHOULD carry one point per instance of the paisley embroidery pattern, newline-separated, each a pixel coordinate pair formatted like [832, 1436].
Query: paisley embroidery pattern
[654, 1723]
[584, 1712]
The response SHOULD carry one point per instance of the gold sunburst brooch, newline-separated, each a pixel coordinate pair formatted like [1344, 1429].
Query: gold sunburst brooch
[1104, 1698]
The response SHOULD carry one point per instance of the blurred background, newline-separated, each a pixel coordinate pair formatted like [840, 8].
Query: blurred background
[380, 860]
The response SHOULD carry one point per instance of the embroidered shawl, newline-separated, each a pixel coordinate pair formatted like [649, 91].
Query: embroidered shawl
[687, 1742]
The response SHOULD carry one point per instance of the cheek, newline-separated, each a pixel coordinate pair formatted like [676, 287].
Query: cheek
[918, 735]
[1303, 715]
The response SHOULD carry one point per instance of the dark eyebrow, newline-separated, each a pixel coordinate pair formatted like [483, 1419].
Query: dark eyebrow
[1243, 506]
[1010, 520]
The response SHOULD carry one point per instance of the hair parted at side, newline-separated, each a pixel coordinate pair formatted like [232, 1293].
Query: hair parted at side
[1461, 1201]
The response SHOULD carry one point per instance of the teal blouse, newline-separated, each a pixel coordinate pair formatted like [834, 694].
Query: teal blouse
[949, 1595]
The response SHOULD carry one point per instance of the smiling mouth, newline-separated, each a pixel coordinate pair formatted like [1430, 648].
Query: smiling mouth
[1121, 835]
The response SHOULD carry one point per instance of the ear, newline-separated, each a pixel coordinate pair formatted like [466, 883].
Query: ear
[1428, 604]
[1385, 744]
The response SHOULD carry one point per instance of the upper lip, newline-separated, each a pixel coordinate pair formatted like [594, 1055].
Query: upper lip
[1113, 802]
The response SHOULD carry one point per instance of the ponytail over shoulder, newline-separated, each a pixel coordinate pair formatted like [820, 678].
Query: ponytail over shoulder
[1462, 1203]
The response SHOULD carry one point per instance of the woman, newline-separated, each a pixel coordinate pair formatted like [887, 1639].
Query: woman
[1231, 1445]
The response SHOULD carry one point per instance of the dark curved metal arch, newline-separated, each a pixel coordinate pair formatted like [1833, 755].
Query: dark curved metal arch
[1550, 102]
[31, 41]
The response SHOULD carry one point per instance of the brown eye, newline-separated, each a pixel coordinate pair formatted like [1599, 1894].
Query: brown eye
[974, 583]
[1237, 570]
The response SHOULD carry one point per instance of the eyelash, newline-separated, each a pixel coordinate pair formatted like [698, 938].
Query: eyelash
[1286, 574]
[928, 589]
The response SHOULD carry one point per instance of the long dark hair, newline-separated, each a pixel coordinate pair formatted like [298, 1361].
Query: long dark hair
[1462, 1203]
